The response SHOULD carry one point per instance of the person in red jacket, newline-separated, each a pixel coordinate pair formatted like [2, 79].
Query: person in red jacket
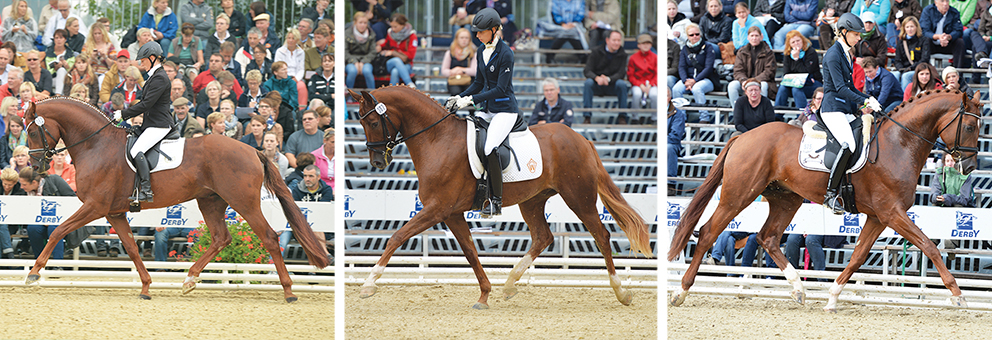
[642, 72]
[401, 45]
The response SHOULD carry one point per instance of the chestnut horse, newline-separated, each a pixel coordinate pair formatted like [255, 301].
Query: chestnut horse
[437, 146]
[216, 171]
[764, 161]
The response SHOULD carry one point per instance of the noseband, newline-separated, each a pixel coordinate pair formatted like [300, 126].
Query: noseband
[391, 141]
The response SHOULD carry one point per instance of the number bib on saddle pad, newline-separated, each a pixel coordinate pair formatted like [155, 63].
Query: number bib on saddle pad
[526, 153]
[157, 155]
[813, 147]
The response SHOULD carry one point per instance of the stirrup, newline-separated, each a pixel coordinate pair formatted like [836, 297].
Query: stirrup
[493, 207]
[834, 202]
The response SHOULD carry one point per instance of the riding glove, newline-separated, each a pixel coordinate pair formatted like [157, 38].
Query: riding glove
[450, 104]
[464, 102]
[873, 104]
[117, 115]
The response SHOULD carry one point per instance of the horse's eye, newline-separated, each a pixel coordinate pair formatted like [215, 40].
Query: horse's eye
[375, 124]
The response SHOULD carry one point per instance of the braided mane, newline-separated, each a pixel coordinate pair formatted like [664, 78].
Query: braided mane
[58, 97]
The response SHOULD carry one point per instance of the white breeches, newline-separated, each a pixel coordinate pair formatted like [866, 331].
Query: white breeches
[839, 125]
[148, 139]
[500, 125]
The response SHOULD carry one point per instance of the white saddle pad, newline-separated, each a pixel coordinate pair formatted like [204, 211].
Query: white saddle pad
[812, 149]
[172, 147]
[526, 150]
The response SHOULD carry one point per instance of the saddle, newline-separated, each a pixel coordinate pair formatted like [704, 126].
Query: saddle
[152, 154]
[504, 149]
[832, 149]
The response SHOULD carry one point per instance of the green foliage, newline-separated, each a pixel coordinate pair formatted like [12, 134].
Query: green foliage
[245, 246]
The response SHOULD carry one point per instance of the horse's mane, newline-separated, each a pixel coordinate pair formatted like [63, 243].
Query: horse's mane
[422, 93]
[925, 95]
[59, 97]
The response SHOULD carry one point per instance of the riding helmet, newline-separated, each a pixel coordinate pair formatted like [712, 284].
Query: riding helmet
[150, 48]
[850, 22]
[486, 18]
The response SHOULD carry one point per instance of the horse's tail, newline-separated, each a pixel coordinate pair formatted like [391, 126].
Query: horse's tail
[699, 201]
[315, 250]
[630, 222]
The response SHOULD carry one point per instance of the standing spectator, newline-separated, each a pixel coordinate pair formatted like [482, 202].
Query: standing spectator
[38, 75]
[221, 35]
[642, 71]
[676, 133]
[401, 46]
[180, 107]
[881, 84]
[47, 12]
[318, 11]
[260, 63]
[100, 50]
[58, 58]
[131, 86]
[324, 159]
[911, 51]
[799, 16]
[211, 105]
[800, 58]
[771, 14]
[255, 92]
[716, 25]
[872, 42]
[58, 22]
[307, 139]
[553, 108]
[900, 10]
[361, 49]
[924, 80]
[186, 52]
[673, 67]
[270, 148]
[754, 109]
[200, 14]
[566, 26]
[604, 75]
[742, 26]
[880, 8]
[12, 187]
[952, 81]
[321, 47]
[268, 37]
[293, 56]
[82, 74]
[39, 184]
[601, 17]
[754, 60]
[237, 23]
[321, 84]
[459, 62]
[941, 25]
[162, 22]
[950, 187]
[59, 166]
[21, 28]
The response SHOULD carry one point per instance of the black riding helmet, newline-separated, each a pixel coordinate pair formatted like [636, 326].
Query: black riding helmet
[150, 48]
[850, 22]
[486, 19]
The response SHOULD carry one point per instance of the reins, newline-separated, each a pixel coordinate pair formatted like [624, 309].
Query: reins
[46, 149]
[956, 150]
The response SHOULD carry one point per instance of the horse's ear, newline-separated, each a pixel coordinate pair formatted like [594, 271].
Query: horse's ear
[367, 97]
[977, 98]
[30, 110]
[354, 95]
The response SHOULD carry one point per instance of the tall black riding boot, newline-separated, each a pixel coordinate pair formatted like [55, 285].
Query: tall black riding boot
[832, 200]
[495, 202]
[144, 186]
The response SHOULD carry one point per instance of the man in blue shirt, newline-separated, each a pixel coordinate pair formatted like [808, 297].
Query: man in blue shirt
[881, 84]
[941, 24]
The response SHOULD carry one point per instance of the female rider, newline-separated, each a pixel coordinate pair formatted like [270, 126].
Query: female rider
[841, 98]
[493, 90]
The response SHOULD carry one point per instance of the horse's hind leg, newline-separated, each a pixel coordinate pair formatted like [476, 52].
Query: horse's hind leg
[271, 242]
[119, 222]
[781, 209]
[212, 209]
[541, 238]
[459, 228]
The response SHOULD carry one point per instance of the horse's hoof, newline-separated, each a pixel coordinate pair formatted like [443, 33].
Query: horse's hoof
[799, 296]
[678, 298]
[831, 310]
[627, 298]
[291, 299]
[144, 297]
[188, 287]
[480, 306]
[368, 291]
[32, 278]
[509, 293]
[958, 301]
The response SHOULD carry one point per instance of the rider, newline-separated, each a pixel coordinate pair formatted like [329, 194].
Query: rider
[492, 88]
[841, 100]
[157, 121]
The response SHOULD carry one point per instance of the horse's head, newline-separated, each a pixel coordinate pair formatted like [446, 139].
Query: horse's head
[380, 131]
[42, 136]
[959, 129]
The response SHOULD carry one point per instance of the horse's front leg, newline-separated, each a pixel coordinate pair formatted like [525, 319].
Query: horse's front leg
[123, 228]
[426, 218]
[81, 217]
[459, 228]
[869, 233]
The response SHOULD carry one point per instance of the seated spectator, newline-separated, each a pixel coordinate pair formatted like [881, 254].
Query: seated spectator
[676, 133]
[303, 160]
[814, 245]
[256, 130]
[505, 10]
[378, 14]
[220, 36]
[771, 14]
[741, 29]
[9, 108]
[21, 28]
[325, 118]
[245, 55]
[811, 110]
[677, 22]
[673, 67]
[601, 17]
[754, 109]
[200, 14]
[282, 115]
[59, 59]
[305, 140]
[361, 49]
[11, 186]
[293, 56]
[116, 103]
[270, 148]
[981, 36]
[162, 22]
[459, 63]
[267, 111]
[716, 25]
[58, 21]
[180, 86]
[143, 36]
[39, 184]
[61, 167]
[604, 75]
[552, 108]
[255, 92]
[321, 47]
[13, 85]
[82, 74]
[566, 27]
[872, 42]
[321, 84]
[211, 105]
[950, 187]
[899, 12]
[923, 81]
[913, 50]
[229, 88]
[311, 188]
[318, 11]
[231, 66]
[237, 23]
[115, 75]
[232, 128]
[725, 252]
[215, 124]
[81, 92]
[401, 47]
[180, 107]
[800, 58]
[324, 159]
[941, 25]
[754, 60]
[101, 50]
[799, 16]
[38, 75]
[27, 95]
[216, 66]
[163, 241]
[20, 157]
[186, 53]
[881, 84]
[642, 71]
[260, 63]
[286, 87]
[696, 70]
[305, 27]
[6, 56]
[879, 9]
[952, 81]
[131, 86]
[268, 37]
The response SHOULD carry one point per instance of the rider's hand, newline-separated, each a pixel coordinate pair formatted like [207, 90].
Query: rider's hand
[464, 102]
[450, 104]
[117, 115]
[873, 104]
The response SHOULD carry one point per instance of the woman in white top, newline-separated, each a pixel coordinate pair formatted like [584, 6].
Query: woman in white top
[293, 55]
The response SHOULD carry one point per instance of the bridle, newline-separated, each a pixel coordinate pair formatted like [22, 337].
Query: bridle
[48, 151]
[957, 151]
[391, 140]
